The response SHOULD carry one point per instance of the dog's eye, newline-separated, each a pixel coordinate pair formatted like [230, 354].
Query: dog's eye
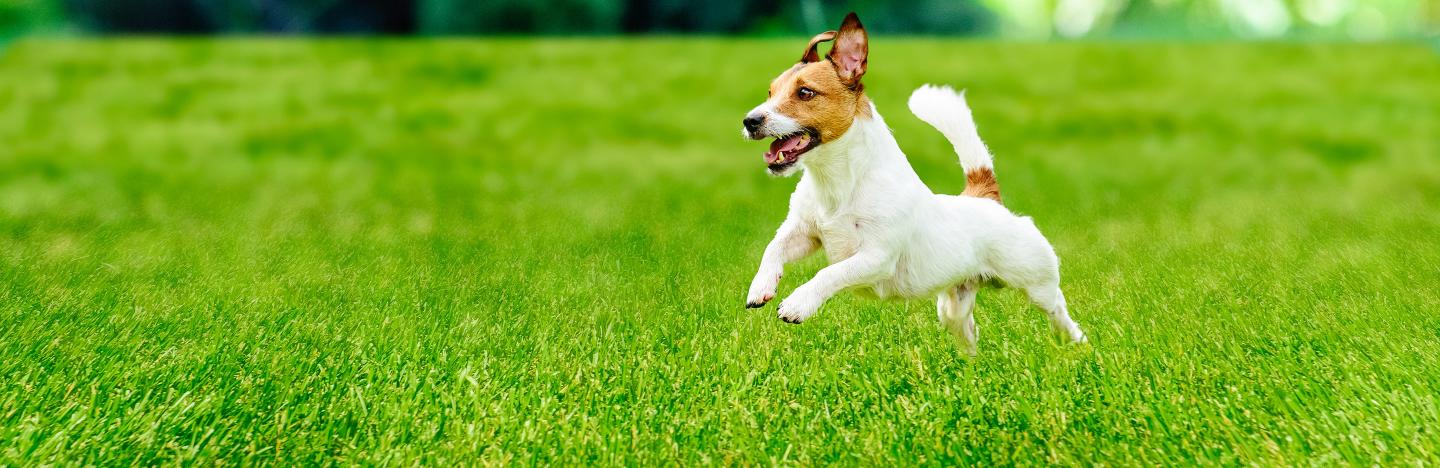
[805, 94]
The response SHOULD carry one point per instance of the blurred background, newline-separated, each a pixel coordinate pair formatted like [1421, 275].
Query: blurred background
[525, 248]
[1346, 20]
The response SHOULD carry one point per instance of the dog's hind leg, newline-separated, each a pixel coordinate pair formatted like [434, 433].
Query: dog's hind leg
[955, 307]
[1048, 297]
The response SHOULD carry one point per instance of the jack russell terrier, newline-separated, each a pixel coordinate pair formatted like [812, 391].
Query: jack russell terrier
[881, 227]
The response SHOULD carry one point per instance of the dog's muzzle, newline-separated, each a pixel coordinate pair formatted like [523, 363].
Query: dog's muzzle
[753, 123]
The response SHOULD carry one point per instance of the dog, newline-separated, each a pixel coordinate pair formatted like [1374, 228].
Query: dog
[881, 228]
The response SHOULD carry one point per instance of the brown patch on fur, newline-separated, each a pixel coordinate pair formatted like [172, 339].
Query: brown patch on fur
[811, 52]
[833, 107]
[981, 183]
[838, 95]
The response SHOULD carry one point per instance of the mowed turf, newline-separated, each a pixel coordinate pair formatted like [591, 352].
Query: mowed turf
[537, 251]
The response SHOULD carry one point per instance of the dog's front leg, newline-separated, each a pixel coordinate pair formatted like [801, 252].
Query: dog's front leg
[792, 242]
[861, 268]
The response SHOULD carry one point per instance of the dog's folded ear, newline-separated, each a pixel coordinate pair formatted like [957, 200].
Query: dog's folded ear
[811, 54]
[851, 50]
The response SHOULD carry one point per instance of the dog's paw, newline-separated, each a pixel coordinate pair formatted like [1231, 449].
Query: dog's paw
[797, 308]
[1069, 334]
[762, 290]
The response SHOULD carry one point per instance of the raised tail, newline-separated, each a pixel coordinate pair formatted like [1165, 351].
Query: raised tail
[944, 109]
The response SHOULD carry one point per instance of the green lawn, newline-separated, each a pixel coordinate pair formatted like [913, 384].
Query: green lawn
[527, 251]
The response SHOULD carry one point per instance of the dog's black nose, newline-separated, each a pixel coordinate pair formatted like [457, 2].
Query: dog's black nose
[752, 122]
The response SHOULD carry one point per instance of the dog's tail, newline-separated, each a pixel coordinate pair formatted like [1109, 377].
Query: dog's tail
[944, 109]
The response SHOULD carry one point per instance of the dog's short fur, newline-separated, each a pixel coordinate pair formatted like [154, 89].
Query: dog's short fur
[880, 226]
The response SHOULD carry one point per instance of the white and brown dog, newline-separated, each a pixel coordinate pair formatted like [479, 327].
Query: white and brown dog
[880, 226]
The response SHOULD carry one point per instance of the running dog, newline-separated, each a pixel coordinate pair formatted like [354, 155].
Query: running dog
[880, 226]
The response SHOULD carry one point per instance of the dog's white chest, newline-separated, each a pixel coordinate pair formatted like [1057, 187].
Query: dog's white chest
[840, 236]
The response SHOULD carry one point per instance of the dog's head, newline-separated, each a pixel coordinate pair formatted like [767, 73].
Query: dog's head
[815, 101]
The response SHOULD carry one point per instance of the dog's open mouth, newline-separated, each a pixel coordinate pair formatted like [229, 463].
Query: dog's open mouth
[785, 150]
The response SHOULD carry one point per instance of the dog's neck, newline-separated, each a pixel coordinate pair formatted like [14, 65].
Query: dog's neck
[866, 152]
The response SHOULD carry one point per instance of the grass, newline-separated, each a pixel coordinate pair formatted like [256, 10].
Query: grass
[536, 251]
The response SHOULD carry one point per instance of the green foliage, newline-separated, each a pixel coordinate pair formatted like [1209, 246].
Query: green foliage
[519, 16]
[22, 16]
[313, 252]
[182, 16]
[11, 15]
[939, 17]
[671, 16]
[1035, 19]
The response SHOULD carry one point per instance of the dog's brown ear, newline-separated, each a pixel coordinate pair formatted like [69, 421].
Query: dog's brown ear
[811, 54]
[851, 51]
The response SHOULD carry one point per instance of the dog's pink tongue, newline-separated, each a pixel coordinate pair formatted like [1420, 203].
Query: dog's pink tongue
[786, 144]
[778, 148]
